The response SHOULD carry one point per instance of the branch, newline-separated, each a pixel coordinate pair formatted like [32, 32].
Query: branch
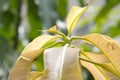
[15, 45]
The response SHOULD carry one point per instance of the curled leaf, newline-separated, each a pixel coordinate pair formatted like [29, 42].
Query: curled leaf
[21, 69]
[34, 48]
[109, 47]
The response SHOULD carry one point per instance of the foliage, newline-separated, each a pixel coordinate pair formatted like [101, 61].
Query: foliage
[20, 21]
[62, 63]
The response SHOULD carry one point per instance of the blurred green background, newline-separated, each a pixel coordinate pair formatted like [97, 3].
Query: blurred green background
[20, 21]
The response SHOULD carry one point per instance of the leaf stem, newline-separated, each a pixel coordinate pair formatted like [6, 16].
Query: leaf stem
[74, 38]
[61, 34]
[60, 42]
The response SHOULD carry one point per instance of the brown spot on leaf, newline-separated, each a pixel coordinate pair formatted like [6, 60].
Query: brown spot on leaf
[111, 45]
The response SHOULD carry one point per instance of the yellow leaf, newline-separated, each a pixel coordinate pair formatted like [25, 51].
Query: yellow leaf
[52, 29]
[23, 64]
[73, 16]
[35, 74]
[34, 48]
[98, 71]
[109, 47]
[97, 57]
[20, 70]
[69, 71]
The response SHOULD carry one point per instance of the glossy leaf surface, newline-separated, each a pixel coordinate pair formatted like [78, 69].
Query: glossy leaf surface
[69, 71]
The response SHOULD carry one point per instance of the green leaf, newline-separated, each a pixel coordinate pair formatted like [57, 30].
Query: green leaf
[101, 17]
[109, 47]
[61, 6]
[23, 64]
[82, 3]
[106, 9]
[66, 57]
[34, 19]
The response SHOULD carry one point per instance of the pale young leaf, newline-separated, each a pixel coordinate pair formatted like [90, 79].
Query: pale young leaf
[21, 68]
[73, 16]
[35, 74]
[97, 57]
[70, 69]
[109, 47]
[52, 29]
[34, 48]
[99, 72]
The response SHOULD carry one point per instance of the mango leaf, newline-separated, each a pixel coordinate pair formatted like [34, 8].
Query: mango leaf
[70, 69]
[35, 74]
[109, 47]
[35, 21]
[23, 64]
[52, 29]
[61, 7]
[73, 16]
[96, 57]
[98, 71]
